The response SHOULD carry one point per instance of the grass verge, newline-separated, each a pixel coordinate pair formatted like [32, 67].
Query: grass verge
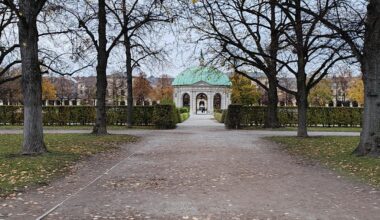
[322, 129]
[335, 153]
[19, 172]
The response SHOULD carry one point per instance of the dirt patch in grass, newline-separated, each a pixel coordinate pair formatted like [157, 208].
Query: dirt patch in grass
[19, 172]
[336, 153]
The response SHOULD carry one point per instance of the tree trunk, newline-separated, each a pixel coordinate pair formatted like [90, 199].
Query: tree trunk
[128, 63]
[272, 117]
[370, 135]
[31, 79]
[100, 127]
[302, 105]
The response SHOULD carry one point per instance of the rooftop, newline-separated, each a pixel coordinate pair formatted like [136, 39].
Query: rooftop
[209, 75]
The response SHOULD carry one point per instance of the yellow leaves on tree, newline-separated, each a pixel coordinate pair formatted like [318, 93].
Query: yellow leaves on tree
[321, 94]
[48, 90]
[243, 91]
[356, 91]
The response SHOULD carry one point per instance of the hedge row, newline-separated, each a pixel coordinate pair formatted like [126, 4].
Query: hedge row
[220, 115]
[247, 116]
[85, 115]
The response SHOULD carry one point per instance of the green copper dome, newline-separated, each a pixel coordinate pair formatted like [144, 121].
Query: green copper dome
[209, 75]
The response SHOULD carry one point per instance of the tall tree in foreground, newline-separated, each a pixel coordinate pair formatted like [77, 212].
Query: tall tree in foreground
[92, 20]
[100, 127]
[370, 136]
[27, 12]
[347, 22]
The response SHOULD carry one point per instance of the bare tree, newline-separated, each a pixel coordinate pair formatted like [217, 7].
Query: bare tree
[312, 51]
[360, 30]
[247, 35]
[9, 47]
[92, 20]
[139, 21]
[27, 12]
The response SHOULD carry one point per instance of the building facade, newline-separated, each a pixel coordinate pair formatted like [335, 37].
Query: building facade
[202, 89]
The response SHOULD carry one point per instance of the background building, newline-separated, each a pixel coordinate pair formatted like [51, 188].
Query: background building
[202, 89]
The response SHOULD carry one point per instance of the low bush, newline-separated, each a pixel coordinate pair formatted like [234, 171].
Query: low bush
[234, 117]
[224, 113]
[184, 117]
[184, 110]
[317, 116]
[79, 115]
[165, 116]
[218, 117]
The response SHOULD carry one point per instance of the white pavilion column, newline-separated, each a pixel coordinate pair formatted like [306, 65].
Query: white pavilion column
[210, 102]
[193, 104]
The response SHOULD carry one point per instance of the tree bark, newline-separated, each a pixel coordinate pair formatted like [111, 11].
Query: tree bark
[128, 63]
[272, 117]
[302, 105]
[100, 127]
[370, 135]
[31, 79]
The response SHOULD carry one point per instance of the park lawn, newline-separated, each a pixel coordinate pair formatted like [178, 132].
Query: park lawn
[19, 172]
[322, 129]
[335, 153]
[75, 127]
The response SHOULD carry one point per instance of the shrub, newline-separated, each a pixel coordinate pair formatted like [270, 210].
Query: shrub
[178, 116]
[165, 116]
[224, 113]
[234, 117]
[218, 116]
[78, 115]
[184, 110]
[317, 116]
[184, 117]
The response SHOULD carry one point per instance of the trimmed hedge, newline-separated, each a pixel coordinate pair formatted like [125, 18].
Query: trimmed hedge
[234, 118]
[184, 110]
[165, 116]
[80, 115]
[317, 116]
[218, 117]
[184, 117]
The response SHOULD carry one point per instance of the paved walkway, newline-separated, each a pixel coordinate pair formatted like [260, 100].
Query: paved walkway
[199, 171]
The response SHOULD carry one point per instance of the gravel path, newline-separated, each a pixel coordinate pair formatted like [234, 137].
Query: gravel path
[199, 171]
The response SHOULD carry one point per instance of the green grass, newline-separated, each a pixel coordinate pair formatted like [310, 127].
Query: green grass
[74, 127]
[335, 153]
[323, 129]
[19, 172]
